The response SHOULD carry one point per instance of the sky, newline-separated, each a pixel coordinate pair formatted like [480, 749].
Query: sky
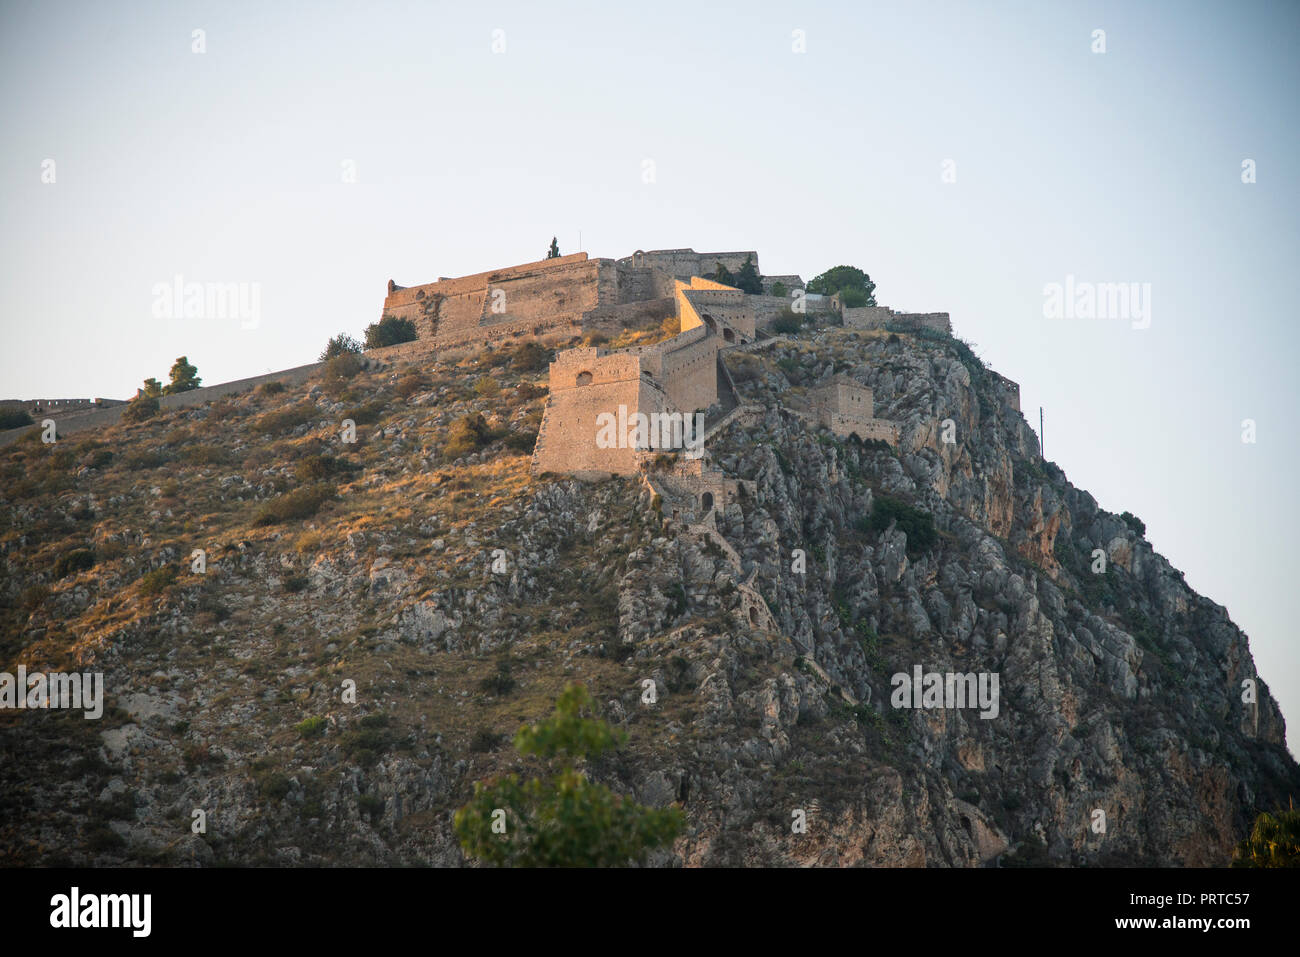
[967, 155]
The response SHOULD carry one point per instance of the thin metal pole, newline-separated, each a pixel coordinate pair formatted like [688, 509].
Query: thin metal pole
[1040, 433]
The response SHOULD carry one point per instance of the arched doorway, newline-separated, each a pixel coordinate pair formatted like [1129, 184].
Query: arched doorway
[728, 335]
[706, 502]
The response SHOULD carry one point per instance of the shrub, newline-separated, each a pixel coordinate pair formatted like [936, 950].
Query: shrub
[33, 598]
[389, 331]
[298, 504]
[285, 419]
[204, 455]
[522, 441]
[274, 387]
[311, 727]
[142, 407]
[295, 583]
[367, 412]
[157, 581]
[410, 384]
[916, 524]
[779, 290]
[340, 345]
[467, 434]
[485, 741]
[500, 682]
[371, 806]
[343, 366]
[530, 357]
[77, 560]
[787, 323]
[526, 391]
[14, 419]
[1135, 523]
[314, 468]
[486, 386]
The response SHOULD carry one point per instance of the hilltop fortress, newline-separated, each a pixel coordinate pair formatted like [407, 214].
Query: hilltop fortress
[674, 382]
[669, 381]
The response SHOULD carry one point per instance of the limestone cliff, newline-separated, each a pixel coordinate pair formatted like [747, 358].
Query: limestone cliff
[460, 594]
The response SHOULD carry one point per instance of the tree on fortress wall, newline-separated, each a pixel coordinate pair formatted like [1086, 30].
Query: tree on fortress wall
[855, 286]
[554, 251]
[562, 820]
[153, 387]
[723, 275]
[184, 377]
[342, 344]
[389, 331]
[748, 279]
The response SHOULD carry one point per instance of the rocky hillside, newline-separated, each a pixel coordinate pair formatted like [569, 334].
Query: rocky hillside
[459, 594]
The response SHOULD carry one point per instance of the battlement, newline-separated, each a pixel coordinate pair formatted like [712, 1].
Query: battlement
[577, 294]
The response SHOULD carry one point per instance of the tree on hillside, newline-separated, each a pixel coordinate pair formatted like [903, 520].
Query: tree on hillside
[389, 331]
[342, 344]
[1274, 841]
[857, 286]
[554, 251]
[184, 377]
[153, 387]
[748, 279]
[562, 820]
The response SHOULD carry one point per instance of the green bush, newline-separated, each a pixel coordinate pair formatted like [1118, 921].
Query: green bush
[295, 583]
[142, 407]
[530, 356]
[500, 682]
[157, 581]
[14, 419]
[343, 366]
[315, 468]
[340, 345]
[410, 384]
[283, 420]
[467, 434]
[787, 323]
[274, 387]
[1135, 523]
[77, 560]
[916, 524]
[204, 455]
[389, 331]
[298, 504]
[311, 727]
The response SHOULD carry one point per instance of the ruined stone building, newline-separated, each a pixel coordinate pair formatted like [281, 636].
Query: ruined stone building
[643, 398]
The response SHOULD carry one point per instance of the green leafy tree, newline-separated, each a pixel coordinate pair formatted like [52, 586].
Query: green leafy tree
[184, 377]
[153, 387]
[842, 278]
[143, 406]
[1274, 841]
[389, 331]
[563, 819]
[748, 279]
[342, 344]
[554, 251]
[723, 275]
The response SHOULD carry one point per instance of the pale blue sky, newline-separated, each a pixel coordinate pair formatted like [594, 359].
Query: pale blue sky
[1117, 167]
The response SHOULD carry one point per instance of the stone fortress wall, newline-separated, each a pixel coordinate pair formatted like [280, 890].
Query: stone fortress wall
[556, 299]
[575, 294]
